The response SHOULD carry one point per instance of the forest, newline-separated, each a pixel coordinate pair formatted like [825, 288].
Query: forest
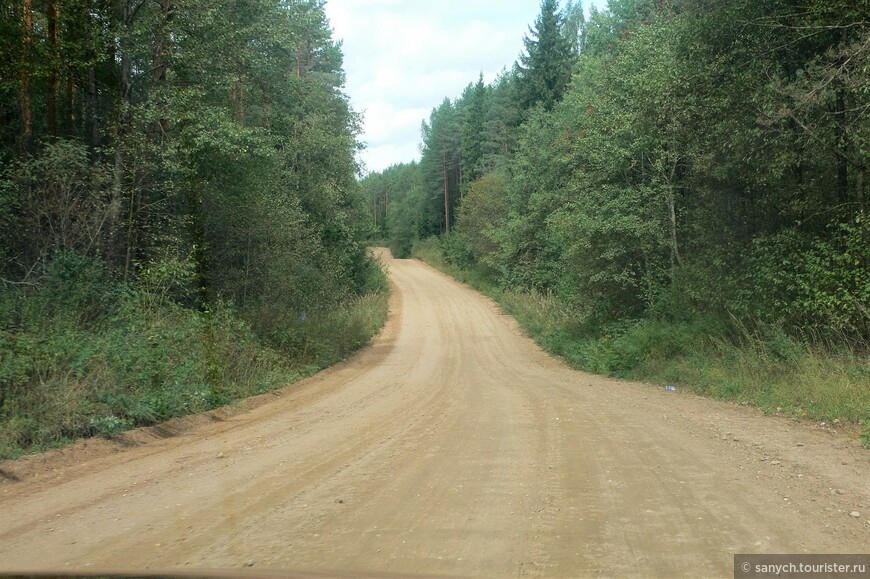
[181, 223]
[671, 190]
[667, 190]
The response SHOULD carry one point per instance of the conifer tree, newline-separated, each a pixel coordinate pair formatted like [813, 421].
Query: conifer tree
[545, 68]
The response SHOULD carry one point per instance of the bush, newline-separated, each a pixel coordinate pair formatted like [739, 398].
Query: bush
[820, 286]
[83, 355]
[59, 201]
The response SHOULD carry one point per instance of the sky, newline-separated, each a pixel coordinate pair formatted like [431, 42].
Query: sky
[403, 57]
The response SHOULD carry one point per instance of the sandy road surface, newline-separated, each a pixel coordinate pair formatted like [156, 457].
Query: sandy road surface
[452, 446]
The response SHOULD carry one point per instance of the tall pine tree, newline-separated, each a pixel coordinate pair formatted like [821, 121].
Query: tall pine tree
[545, 69]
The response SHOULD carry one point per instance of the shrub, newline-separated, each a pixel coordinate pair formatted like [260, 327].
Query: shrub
[82, 355]
[818, 285]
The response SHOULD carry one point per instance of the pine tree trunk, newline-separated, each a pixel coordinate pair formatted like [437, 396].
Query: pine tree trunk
[446, 195]
[122, 130]
[25, 77]
[91, 112]
[842, 137]
[54, 74]
[160, 66]
[71, 117]
[196, 229]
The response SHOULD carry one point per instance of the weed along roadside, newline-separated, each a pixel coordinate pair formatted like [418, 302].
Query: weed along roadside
[759, 366]
[91, 358]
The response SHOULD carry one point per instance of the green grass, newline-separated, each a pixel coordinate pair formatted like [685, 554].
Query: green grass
[85, 361]
[761, 366]
[429, 251]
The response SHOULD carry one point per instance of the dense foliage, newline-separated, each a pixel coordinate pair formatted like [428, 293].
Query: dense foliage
[667, 159]
[179, 177]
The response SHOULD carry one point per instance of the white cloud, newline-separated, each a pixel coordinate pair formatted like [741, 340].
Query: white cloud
[403, 57]
[385, 123]
[378, 158]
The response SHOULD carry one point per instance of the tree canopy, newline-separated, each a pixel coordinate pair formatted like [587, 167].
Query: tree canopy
[670, 159]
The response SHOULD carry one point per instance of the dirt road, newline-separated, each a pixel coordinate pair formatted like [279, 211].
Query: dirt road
[452, 446]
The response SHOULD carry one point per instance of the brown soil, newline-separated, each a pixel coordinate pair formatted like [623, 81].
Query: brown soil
[451, 446]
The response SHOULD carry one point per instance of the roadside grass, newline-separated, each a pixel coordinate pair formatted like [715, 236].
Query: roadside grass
[429, 251]
[760, 366]
[116, 360]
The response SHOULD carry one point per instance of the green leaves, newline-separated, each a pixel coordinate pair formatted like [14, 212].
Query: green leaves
[705, 159]
[181, 226]
[821, 283]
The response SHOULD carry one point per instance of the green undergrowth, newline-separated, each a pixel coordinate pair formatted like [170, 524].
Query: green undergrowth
[761, 365]
[82, 357]
[430, 251]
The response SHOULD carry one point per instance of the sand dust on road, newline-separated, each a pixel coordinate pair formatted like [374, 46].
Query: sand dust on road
[452, 446]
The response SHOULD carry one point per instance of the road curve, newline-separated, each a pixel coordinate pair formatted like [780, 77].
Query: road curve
[452, 446]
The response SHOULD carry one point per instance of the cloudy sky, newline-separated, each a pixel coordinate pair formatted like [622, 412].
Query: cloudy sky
[402, 57]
